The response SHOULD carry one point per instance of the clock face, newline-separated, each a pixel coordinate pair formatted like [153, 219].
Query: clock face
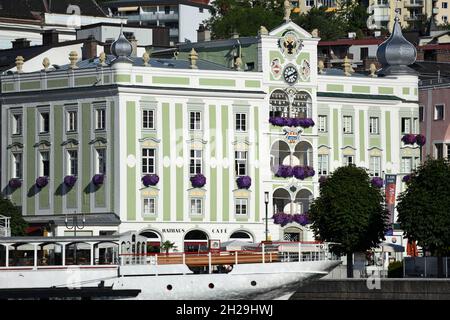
[290, 74]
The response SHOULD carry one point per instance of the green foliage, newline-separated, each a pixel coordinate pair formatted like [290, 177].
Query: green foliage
[167, 246]
[423, 208]
[244, 17]
[18, 224]
[349, 211]
[395, 269]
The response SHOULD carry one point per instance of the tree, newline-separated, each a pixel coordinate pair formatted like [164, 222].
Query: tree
[350, 213]
[18, 224]
[167, 246]
[244, 17]
[423, 208]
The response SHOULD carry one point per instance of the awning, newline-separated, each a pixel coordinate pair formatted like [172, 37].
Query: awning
[127, 9]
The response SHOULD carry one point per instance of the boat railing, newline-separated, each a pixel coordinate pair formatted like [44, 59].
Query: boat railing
[5, 227]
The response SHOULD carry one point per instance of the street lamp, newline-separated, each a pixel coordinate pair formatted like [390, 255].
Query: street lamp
[266, 201]
[74, 226]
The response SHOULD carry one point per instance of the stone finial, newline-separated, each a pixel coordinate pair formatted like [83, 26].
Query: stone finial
[348, 70]
[102, 59]
[46, 63]
[373, 70]
[238, 64]
[73, 57]
[193, 58]
[315, 33]
[287, 10]
[19, 64]
[146, 58]
[263, 31]
[321, 66]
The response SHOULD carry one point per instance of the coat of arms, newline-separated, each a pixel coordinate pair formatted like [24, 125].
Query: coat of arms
[290, 45]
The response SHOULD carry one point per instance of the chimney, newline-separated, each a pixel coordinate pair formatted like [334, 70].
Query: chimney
[50, 37]
[107, 45]
[20, 43]
[89, 49]
[203, 34]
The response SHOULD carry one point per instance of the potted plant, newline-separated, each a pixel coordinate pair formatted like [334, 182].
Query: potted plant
[41, 182]
[150, 180]
[15, 183]
[98, 179]
[198, 181]
[244, 182]
[377, 182]
[70, 181]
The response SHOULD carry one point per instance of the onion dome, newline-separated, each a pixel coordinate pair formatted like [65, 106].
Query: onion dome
[396, 54]
[122, 49]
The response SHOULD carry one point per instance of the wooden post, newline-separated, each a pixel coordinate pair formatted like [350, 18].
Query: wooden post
[236, 257]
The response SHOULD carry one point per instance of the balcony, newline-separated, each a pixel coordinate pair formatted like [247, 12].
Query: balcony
[413, 4]
[416, 17]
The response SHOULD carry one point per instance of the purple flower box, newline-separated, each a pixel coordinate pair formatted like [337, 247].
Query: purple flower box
[407, 178]
[244, 182]
[198, 181]
[301, 219]
[41, 182]
[409, 139]
[70, 181]
[377, 182]
[309, 172]
[15, 183]
[292, 122]
[98, 179]
[421, 140]
[299, 172]
[284, 172]
[150, 180]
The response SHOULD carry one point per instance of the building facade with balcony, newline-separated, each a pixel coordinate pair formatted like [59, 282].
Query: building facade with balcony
[183, 17]
[186, 150]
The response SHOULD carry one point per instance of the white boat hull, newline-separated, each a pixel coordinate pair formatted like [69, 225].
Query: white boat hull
[246, 281]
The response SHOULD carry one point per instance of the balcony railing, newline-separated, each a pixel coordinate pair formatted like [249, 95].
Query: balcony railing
[5, 227]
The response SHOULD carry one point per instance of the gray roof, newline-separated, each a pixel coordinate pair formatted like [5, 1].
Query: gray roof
[92, 219]
[154, 63]
[226, 43]
[126, 3]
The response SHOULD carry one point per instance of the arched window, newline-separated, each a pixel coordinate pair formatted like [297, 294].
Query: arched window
[279, 104]
[282, 201]
[196, 241]
[301, 105]
[242, 236]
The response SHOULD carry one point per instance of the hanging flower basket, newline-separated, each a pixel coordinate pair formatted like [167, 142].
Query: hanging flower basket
[407, 178]
[70, 181]
[244, 182]
[150, 180]
[98, 179]
[421, 140]
[302, 219]
[409, 139]
[15, 183]
[284, 172]
[41, 182]
[198, 181]
[377, 182]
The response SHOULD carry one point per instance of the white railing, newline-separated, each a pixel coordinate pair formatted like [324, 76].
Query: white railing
[5, 226]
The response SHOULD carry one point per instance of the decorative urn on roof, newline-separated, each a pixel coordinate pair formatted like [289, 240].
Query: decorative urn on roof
[396, 54]
[121, 49]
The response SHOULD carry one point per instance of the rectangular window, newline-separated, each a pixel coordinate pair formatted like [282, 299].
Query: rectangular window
[406, 166]
[444, 5]
[406, 125]
[149, 207]
[72, 121]
[17, 124]
[100, 119]
[72, 164]
[421, 113]
[196, 208]
[196, 162]
[323, 164]
[148, 119]
[439, 112]
[416, 128]
[241, 122]
[375, 166]
[322, 123]
[17, 166]
[448, 151]
[241, 207]
[374, 126]
[101, 161]
[148, 161]
[45, 122]
[45, 164]
[241, 163]
[364, 53]
[195, 120]
[439, 148]
[167, 10]
[348, 124]
[348, 160]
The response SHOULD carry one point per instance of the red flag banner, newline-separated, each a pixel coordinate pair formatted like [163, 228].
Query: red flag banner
[391, 183]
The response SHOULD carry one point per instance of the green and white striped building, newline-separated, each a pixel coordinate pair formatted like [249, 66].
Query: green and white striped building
[129, 117]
